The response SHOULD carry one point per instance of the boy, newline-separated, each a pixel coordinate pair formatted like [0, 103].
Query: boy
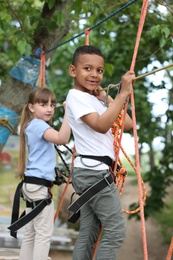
[90, 121]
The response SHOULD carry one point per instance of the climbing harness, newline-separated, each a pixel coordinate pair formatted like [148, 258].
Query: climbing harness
[94, 189]
[37, 206]
[88, 195]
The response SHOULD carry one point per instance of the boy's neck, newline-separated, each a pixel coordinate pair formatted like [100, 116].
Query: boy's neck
[83, 90]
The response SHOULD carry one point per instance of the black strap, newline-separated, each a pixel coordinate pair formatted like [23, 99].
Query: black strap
[15, 208]
[38, 181]
[105, 159]
[17, 195]
[28, 217]
[87, 195]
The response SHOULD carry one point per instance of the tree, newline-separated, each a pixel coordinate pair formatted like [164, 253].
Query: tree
[26, 26]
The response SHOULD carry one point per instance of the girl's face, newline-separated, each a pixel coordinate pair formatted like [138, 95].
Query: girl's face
[88, 72]
[44, 111]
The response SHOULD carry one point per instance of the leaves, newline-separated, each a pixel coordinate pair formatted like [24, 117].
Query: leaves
[23, 47]
[161, 32]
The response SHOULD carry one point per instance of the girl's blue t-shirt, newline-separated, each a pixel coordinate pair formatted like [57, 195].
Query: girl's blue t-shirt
[41, 153]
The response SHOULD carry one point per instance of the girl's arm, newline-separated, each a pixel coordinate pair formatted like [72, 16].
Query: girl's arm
[58, 137]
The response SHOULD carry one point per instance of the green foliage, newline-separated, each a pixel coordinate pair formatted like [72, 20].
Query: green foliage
[165, 219]
[161, 30]
[58, 18]
[23, 47]
[21, 21]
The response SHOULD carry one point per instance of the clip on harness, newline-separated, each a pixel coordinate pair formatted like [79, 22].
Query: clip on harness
[93, 190]
[37, 206]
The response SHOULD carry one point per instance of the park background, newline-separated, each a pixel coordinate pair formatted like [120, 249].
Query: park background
[55, 27]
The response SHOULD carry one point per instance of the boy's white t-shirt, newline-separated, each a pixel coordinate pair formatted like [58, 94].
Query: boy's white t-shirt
[88, 141]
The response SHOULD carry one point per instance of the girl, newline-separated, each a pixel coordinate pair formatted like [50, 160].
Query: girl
[38, 172]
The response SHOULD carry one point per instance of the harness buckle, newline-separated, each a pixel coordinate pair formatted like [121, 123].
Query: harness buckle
[106, 179]
[34, 204]
[48, 200]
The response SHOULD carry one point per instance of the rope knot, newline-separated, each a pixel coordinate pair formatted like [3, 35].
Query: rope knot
[122, 171]
[4, 121]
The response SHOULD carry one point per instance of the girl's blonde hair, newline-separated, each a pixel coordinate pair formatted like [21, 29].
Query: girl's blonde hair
[38, 95]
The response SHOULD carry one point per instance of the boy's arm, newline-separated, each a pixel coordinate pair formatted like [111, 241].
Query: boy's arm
[102, 123]
[101, 95]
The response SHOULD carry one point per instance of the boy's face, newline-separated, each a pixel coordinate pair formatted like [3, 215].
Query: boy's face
[87, 72]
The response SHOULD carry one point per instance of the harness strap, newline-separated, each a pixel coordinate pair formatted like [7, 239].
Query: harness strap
[16, 201]
[16, 205]
[88, 195]
[105, 159]
[38, 181]
[40, 205]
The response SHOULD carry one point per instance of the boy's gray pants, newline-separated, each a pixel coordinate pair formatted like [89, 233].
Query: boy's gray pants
[103, 209]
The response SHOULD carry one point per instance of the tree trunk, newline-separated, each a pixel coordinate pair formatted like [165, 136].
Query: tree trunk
[14, 93]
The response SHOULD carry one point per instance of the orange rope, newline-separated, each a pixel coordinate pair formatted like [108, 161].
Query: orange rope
[118, 133]
[97, 242]
[140, 28]
[42, 76]
[62, 199]
[120, 179]
[117, 130]
[121, 174]
[170, 251]
[87, 32]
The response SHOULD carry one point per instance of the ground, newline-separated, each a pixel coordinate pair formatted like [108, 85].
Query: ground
[132, 248]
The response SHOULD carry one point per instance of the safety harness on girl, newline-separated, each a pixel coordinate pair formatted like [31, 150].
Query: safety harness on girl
[87, 195]
[37, 206]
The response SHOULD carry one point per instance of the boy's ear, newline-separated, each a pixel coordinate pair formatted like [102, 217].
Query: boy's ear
[72, 71]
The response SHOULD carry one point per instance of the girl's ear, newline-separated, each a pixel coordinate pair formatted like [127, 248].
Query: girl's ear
[72, 71]
[30, 107]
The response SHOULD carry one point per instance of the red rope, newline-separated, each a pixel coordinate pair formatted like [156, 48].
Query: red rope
[65, 188]
[170, 251]
[120, 132]
[42, 76]
[62, 199]
[140, 28]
